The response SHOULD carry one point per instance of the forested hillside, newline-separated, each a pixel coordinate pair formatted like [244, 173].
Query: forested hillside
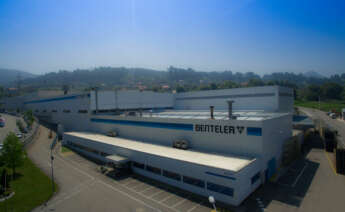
[308, 86]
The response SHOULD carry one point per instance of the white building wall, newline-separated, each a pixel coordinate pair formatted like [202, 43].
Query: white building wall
[253, 98]
[241, 182]
[108, 100]
[241, 144]
[275, 133]
[286, 99]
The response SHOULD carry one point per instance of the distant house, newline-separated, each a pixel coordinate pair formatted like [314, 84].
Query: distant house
[165, 86]
[12, 91]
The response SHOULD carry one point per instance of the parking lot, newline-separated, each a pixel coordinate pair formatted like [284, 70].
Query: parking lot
[84, 188]
[162, 194]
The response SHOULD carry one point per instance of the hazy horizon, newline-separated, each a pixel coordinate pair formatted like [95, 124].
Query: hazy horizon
[241, 36]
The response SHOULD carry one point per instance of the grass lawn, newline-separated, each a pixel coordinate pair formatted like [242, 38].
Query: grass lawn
[325, 106]
[65, 149]
[32, 188]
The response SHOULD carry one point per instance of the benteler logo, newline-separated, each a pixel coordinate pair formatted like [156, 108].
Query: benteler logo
[218, 129]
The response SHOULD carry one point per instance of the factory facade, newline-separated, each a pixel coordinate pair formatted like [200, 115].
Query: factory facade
[223, 143]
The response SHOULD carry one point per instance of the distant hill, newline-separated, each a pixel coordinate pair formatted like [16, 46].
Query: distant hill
[121, 77]
[9, 76]
[313, 74]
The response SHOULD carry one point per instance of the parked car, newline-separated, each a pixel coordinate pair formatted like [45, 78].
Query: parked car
[19, 135]
[2, 122]
[333, 115]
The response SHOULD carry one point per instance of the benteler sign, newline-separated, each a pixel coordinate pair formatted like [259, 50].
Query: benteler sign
[221, 129]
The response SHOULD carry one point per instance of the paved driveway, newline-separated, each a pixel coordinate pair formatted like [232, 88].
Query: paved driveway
[10, 126]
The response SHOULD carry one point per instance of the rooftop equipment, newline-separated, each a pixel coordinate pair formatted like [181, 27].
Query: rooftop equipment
[211, 111]
[230, 102]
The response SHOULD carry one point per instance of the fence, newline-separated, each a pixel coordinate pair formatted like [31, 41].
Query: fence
[331, 143]
[29, 139]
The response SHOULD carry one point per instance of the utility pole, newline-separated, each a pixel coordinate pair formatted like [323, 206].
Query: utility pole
[5, 192]
[52, 159]
[319, 103]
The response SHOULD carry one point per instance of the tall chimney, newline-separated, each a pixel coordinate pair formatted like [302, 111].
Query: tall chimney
[230, 102]
[211, 111]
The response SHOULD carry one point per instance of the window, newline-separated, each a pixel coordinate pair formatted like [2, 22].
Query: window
[103, 154]
[194, 181]
[44, 111]
[54, 111]
[138, 165]
[66, 111]
[88, 149]
[255, 177]
[172, 175]
[36, 111]
[153, 169]
[220, 189]
[82, 111]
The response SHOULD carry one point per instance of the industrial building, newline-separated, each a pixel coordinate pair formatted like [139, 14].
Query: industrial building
[223, 143]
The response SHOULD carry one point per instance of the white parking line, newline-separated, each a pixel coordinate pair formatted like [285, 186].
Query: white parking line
[124, 193]
[150, 198]
[179, 202]
[127, 183]
[300, 174]
[154, 194]
[132, 183]
[138, 186]
[169, 196]
[146, 189]
[197, 205]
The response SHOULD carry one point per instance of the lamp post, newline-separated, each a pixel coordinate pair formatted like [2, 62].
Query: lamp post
[52, 159]
[213, 202]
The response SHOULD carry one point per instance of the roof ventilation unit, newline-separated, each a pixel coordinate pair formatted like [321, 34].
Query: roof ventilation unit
[230, 102]
[212, 112]
[181, 144]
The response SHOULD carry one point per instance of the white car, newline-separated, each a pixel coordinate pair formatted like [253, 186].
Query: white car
[19, 135]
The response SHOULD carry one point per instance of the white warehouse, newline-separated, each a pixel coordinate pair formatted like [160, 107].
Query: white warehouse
[223, 143]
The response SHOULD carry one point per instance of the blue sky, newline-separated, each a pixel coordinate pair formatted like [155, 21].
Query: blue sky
[239, 35]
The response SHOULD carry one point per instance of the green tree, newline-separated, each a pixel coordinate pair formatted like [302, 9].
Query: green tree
[331, 90]
[2, 91]
[12, 153]
[29, 117]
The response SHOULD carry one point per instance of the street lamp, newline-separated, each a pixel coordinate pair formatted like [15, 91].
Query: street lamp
[213, 202]
[52, 158]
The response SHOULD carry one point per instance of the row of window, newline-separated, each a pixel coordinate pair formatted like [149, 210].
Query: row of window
[172, 175]
[88, 149]
[65, 111]
[186, 179]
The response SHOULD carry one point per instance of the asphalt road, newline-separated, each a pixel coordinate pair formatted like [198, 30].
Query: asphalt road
[336, 124]
[83, 188]
[10, 126]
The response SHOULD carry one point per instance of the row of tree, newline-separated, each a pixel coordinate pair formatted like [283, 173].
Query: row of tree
[11, 156]
[309, 86]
